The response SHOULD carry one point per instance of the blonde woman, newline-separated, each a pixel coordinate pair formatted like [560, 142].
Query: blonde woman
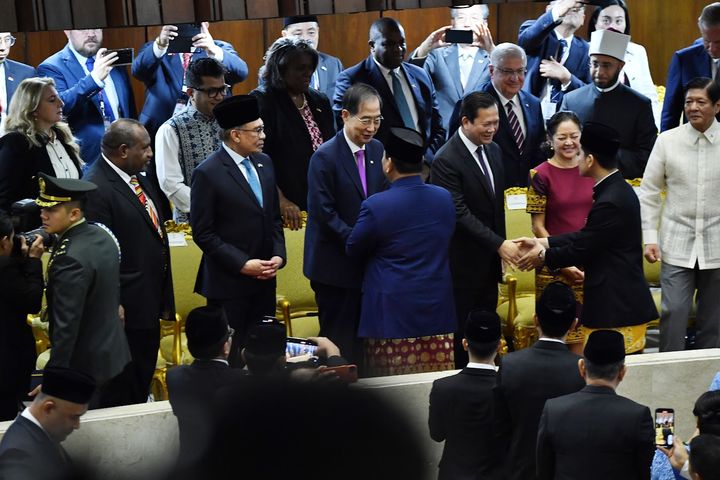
[36, 140]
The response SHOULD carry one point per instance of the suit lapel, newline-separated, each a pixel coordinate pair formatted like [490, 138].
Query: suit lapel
[497, 169]
[125, 192]
[119, 82]
[504, 122]
[417, 96]
[175, 70]
[74, 67]
[234, 171]
[380, 84]
[373, 172]
[267, 187]
[322, 74]
[472, 165]
[573, 61]
[450, 57]
[479, 65]
[349, 163]
[10, 83]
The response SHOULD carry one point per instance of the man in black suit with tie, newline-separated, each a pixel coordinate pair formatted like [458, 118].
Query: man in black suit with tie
[608, 101]
[127, 204]
[595, 434]
[192, 387]
[462, 406]
[609, 246]
[31, 448]
[238, 226]
[407, 92]
[470, 167]
[528, 377]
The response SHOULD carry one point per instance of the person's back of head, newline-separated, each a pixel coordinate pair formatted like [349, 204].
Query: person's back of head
[265, 346]
[556, 310]
[707, 412]
[604, 358]
[208, 333]
[482, 335]
[705, 457]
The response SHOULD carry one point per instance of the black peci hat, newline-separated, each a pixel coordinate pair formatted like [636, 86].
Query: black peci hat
[600, 139]
[482, 327]
[299, 19]
[605, 347]
[405, 144]
[235, 111]
[68, 384]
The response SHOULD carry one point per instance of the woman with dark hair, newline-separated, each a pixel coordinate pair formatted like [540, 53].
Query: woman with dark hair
[559, 200]
[613, 15]
[297, 118]
[21, 290]
[37, 140]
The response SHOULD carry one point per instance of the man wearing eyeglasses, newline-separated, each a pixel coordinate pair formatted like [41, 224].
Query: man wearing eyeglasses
[191, 135]
[557, 58]
[11, 74]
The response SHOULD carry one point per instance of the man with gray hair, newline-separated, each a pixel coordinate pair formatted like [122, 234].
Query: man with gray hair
[455, 68]
[701, 59]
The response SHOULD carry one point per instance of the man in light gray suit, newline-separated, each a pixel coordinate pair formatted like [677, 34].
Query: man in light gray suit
[457, 69]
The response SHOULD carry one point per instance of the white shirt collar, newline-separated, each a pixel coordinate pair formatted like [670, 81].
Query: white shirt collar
[606, 176]
[385, 71]
[481, 366]
[26, 413]
[82, 60]
[220, 360]
[609, 89]
[123, 175]
[504, 100]
[711, 134]
[548, 339]
[353, 147]
[468, 143]
[237, 158]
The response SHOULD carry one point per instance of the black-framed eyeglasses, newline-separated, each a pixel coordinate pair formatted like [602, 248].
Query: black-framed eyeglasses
[512, 73]
[256, 130]
[213, 92]
[367, 121]
[9, 40]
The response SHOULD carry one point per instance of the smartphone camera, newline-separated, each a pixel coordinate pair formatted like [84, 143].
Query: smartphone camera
[664, 427]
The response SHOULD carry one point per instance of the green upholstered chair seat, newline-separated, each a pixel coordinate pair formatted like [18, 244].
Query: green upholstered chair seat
[166, 349]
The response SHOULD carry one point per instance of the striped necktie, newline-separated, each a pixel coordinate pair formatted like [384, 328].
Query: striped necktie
[144, 202]
[517, 132]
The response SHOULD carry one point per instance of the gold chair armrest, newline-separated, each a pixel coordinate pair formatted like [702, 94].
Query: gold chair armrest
[177, 340]
[284, 306]
[511, 282]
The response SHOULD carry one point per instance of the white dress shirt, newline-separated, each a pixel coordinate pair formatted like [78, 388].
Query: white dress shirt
[466, 60]
[407, 91]
[482, 366]
[108, 85]
[472, 148]
[516, 108]
[683, 162]
[126, 178]
[60, 160]
[237, 158]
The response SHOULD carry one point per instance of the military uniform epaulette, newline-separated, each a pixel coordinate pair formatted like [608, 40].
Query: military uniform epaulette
[60, 249]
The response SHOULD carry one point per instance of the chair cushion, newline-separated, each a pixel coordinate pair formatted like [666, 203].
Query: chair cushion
[526, 312]
[303, 327]
[166, 349]
[42, 359]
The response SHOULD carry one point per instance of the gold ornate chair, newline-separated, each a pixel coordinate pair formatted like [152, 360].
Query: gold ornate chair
[517, 291]
[296, 305]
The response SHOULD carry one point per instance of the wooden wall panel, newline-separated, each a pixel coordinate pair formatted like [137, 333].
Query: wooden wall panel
[345, 36]
[89, 14]
[247, 38]
[178, 11]
[511, 16]
[233, 10]
[58, 14]
[8, 20]
[318, 7]
[128, 37]
[147, 12]
[262, 8]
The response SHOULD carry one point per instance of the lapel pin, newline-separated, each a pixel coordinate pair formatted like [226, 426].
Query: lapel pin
[323, 67]
[372, 162]
[10, 79]
[259, 165]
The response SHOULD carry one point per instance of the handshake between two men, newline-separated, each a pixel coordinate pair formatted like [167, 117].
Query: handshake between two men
[527, 253]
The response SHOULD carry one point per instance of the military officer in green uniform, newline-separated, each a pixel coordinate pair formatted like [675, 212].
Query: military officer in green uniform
[83, 290]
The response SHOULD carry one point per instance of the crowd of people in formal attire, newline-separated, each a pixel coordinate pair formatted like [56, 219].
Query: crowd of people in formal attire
[396, 168]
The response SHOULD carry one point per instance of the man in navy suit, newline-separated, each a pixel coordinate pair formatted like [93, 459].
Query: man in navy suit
[329, 67]
[701, 59]
[94, 93]
[343, 172]
[239, 227]
[407, 92]
[557, 58]
[163, 73]
[11, 73]
[457, 68]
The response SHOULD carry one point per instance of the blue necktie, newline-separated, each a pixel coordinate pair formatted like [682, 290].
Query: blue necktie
[556, 91]
[401, 102]
[253, 180]
[106, 107]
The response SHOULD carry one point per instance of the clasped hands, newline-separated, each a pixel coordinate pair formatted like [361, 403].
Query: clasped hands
[524, 253]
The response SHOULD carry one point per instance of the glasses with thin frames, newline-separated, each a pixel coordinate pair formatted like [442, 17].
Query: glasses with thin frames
[512, 73]
[256, 130]
[367, 121]
[8, 41]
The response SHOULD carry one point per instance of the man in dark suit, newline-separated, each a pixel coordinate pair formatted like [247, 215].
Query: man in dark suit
[82, 292]
[557, 58]
[470, 167]
[343, 172]
[609, 247]
[528, 377]
[127, 204]
[608, 101]
[701, 59]
[192, 387]
[328, 67]
[11, 73]
[94, 93]
[31, 448]
[456, 69]
[163, 73]
[238, 226]
[385, 70]
[596, 434]
[462, 407]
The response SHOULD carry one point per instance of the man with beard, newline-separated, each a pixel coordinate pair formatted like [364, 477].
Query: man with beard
[94, 93]
[610, 102]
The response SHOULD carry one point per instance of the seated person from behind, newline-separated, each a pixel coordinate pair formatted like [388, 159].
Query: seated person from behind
[705, 457]
[192, 387]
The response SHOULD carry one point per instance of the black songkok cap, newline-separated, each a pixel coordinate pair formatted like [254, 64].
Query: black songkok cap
[600, 139]
[299, 19]
[405, 144]
[266, 338]
[205, 327]
[482, 327]
[235, 111]
[605, 347]
[54, 191]
[557, 305]
[68, 384]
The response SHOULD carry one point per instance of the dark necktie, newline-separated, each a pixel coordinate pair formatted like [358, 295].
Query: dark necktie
[556, 91]
[401, 101]
[105, 107]
[484, 168]
[517, 132]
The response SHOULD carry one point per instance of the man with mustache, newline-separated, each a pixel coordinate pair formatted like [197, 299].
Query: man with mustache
[95, 94]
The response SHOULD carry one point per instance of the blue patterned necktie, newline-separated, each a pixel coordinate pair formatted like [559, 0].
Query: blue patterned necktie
[556, 91]
[253, 180]
[401, 102]
[106, 107]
